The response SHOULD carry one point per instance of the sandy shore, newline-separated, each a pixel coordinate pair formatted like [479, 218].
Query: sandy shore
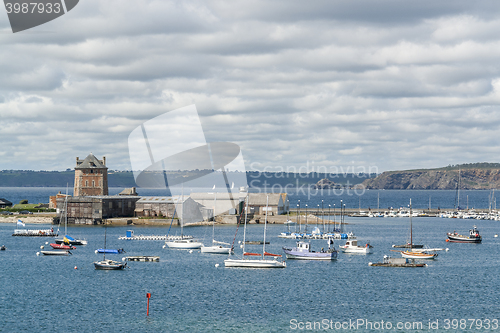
[27, 219]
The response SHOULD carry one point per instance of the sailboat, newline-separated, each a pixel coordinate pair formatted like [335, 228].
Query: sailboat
[216, 247]
[410, 254]
[256, 263]
[107, 264]
[68, 240]
[185, 243]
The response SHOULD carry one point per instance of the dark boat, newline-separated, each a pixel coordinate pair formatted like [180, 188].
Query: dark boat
[2, 248]
[71, 241]
[473, 237]
[397, 262]
[409, 246]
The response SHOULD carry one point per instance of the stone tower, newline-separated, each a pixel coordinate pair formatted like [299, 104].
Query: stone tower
[91, 176]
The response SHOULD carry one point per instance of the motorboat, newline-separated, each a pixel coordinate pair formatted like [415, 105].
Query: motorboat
[473, 237]
[184, 243]
[351, 246]
[56, 252]
[303, 251]
[56, 246]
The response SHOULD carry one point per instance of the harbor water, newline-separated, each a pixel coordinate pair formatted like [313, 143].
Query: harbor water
[194, 292]
[190, 294]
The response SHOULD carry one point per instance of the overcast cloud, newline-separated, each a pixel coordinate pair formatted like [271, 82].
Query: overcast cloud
[387, 84]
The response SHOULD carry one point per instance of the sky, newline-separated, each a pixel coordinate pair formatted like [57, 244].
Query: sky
[298, 85]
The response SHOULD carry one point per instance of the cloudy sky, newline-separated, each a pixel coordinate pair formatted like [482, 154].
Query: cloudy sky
[383, 84]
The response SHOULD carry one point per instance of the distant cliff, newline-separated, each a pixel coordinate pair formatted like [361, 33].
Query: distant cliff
[480, 176]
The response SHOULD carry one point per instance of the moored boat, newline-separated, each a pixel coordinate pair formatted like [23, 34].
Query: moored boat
[56, 252]
[303, 251]
[110, 251]
[107, 264]
[351, 246]
[397, 262]
[62, 246]
[473, 237]
[256, 263]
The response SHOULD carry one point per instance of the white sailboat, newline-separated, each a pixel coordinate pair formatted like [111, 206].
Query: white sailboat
[183, 243]
[217, 247]
[256, 263]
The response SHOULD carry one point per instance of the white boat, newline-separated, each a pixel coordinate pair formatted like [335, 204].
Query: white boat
[303, 251]
[56, 253]
[183, 242]
[217, 247]
[256, 263]
[351, 246]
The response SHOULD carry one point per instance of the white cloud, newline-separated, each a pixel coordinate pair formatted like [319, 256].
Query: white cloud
[392, 84]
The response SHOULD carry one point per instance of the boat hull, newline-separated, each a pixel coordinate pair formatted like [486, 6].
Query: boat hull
[73, 242]
[109, 265]
[56, 253]
[359, 250]
[418, 255]
[302, 255]
[185, 244]
[62, 246]
[216, 250]
[254, 263]
[463, 239]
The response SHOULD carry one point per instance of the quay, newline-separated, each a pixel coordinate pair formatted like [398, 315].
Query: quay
[35, 233]
[130, 236]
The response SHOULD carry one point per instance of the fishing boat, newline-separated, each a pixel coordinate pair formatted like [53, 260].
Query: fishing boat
[351, 246]
[303, 251]
[397, 262]
[217, 246]
[106, 264]
[261, 262]
[3, 248]
[473, 237]
[56, 252]
[56, 246]
[410, 254]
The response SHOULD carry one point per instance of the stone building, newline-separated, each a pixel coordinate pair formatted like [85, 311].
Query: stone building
[278, 203]
[185, 209]
[94, 209]
[91, 177]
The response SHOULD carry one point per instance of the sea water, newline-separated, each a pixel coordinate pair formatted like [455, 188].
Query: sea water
[189, 293]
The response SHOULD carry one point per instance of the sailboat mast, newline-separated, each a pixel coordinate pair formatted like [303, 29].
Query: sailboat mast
[411, 230]
[265, 228]
[213, 224]
[104, 252]
[66, 212]
[245, 227]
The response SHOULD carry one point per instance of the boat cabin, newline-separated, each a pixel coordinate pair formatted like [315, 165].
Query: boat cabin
[303, 247]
